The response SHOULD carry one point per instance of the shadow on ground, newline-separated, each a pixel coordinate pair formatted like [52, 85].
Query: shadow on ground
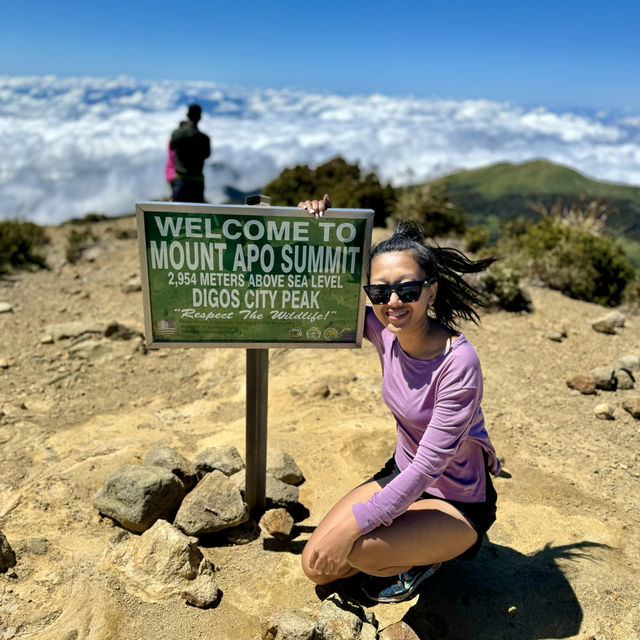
[502, 594]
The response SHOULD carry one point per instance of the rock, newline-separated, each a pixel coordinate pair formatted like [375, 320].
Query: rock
[46, 339]
[277, 523]
[7, 555]
[138, 495]
[321, 391]
[632, 405]
[171, 459]
[282, 466]
[163, 562]
[555, 336]
[203, 592]
[89, 349]
[368, 632]
[624, 380]
[116, 331]
[339, 620]
[609, 323]
[72, 329]
[291, 624]
[604, 412]
[584, 384]
[225, 459]
[4, 363]
[629, 362]
[132, 285]
[604, 378]
[398, 631]
[36, 546]
[214, 504]
[5, 307]
[278, 493]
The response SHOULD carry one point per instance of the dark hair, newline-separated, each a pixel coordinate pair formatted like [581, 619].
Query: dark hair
[445, 265]
[194, 112]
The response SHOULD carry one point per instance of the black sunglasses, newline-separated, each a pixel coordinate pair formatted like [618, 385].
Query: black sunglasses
[406, 291]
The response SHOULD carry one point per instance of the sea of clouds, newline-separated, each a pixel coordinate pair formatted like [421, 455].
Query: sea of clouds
[71, 146]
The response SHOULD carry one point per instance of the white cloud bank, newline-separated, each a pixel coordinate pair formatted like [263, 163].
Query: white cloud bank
[78, 145]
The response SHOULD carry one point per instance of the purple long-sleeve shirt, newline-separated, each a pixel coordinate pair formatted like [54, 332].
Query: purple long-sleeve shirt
[440, 426]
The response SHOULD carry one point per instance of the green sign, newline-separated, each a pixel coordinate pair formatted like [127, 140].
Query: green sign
[252, 275]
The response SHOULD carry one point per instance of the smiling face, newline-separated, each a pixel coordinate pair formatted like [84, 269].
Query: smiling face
[401, 318]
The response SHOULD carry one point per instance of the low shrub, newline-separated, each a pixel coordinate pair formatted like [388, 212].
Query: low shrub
[476, 238]
[571, 259]
[77, 241]
[21, 245]
[431, 208]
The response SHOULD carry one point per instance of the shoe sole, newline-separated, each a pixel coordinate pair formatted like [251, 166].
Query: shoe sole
[410, 591]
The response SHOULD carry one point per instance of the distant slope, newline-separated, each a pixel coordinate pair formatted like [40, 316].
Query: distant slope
[505, 190]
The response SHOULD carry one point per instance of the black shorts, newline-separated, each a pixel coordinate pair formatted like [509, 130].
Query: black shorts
[480, 515]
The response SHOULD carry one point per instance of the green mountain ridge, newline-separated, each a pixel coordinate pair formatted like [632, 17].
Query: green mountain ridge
[505, 190]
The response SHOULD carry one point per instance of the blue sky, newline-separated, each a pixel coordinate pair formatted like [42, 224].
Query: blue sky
[557, 54]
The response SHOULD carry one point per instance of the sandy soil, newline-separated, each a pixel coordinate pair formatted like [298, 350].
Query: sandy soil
[563, 556]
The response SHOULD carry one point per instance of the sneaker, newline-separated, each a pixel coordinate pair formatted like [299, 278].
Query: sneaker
[406, 584]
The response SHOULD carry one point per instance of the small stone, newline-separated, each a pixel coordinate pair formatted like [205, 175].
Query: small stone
[632, 405]
[169, 458]
[5, 307]
[277, 522]
[512, 610]
[629, 362]
[555, 336]
[46, 339]
[604, 411]
[609, 323]
[321, 391]
[624, 379]
[582, 383]
[37, 546]
[604, 377]
[203, 592]
[132, 285]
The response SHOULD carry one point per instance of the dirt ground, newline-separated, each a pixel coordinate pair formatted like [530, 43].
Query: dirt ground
[562, 559]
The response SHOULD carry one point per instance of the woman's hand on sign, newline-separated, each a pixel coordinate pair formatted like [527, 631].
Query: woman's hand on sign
[316, 207]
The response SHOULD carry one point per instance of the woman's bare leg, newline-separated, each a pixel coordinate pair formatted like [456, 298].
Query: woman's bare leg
[430, 531]
[336, 514]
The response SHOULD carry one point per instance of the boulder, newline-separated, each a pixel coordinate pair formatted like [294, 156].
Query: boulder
[7, 555]
[163, 563]
[138, 495]
[225, 459]
[339, 620]
[213, 505]
[278, 493]
[282, 466]
[166, 457]
[291, 624]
